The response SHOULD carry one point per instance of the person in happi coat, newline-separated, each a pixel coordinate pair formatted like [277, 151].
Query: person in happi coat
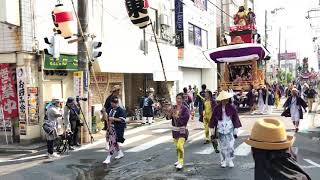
[277, 96]
[179, 114]
[293, 108]
[262, 94]
[225, 118]
[273, 153]
[209, 104]
[199, 103]
[269, 99]
[116, 125]
[251, 98]
[310, 94]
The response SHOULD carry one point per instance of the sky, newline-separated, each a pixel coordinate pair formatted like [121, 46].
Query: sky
[295, 29]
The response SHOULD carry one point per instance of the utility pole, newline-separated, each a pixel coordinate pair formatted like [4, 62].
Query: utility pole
[145, 53]
[279, 50]
[84, 63]
[265, 40]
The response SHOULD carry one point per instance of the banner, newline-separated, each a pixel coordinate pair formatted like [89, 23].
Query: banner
[179, 23]
[77, 83]
[33, 106]
[8, 95]
[22, 95]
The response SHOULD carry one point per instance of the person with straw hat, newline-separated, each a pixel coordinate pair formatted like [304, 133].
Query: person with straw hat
[272, 152]
[226, 121]
[293, 108]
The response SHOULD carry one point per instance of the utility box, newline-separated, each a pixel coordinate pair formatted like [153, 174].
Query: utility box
[10, 12]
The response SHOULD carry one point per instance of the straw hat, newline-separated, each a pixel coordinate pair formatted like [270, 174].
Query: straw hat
[115, 88]
[224, 95]
[269, 134]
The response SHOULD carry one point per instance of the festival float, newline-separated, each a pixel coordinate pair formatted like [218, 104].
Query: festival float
[306, 76]
[241, 55]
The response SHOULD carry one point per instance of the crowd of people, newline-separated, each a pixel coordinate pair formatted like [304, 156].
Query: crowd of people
[219, 114]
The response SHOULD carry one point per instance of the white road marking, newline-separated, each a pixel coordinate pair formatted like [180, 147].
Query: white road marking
[129, 141]
[25, 158]
[207, 150]
[242, 150]
[150, 144]
[312, 163]
[135, 139]
[193, 139]
[160, 130]
[139, 129]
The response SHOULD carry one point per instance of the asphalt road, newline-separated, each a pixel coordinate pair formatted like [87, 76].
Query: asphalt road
[150, 154]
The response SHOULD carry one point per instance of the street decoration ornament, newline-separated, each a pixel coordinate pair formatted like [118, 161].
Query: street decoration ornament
[62, 19]
[138, 12]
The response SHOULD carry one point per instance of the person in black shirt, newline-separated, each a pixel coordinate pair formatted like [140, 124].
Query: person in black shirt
[72, 121]
[115, 92]
[147, 109]
[310, 93]
[199, 103]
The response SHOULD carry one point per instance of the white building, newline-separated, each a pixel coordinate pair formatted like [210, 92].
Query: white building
[199, 29]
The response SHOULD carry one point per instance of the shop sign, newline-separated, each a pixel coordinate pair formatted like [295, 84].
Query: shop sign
[288, 56]
[179, 23]
[77, 83]
[64, 62]
[8, 96]
[33, 106]
[21, 92]
[5, 125]
[23, 128]
[242, 28]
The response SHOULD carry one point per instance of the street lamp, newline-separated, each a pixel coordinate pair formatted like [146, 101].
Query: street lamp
[274, 11]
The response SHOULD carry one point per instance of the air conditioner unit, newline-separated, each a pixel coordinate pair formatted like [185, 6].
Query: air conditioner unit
[164, 20]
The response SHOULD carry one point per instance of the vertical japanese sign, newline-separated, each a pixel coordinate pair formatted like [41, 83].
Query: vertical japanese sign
[22, 99]
[178, 5]
[8, 96]
[33, 106]
[77, 83]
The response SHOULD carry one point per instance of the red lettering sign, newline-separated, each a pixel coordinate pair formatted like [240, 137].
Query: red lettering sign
[8, 94]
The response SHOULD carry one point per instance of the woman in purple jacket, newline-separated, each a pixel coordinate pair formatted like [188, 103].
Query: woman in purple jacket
[225, 118]
[179, 114]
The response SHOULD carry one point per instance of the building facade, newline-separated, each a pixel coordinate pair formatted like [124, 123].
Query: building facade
[130, 57]
[199, 34]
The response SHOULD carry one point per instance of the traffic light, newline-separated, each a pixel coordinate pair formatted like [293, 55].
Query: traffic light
[54, 46]
[95, 45]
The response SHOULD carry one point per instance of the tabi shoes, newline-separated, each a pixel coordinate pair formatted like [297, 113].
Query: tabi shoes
[223, 164]
[120, 155]
[179, 166]
[230, 164]
[176, 163]
[108, 160]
